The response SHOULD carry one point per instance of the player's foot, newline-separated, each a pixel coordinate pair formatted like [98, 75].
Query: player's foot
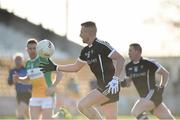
[63, 113]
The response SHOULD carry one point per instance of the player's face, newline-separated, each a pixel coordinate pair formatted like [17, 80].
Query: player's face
[18, 61]
[84, 34]
[31, 49]
[133, 54]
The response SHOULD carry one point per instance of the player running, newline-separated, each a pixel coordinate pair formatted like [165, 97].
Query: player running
[98, 55]
[142, 73]
[23, 91]
[41, 102]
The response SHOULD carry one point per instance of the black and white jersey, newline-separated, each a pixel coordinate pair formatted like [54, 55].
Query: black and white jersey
[143, 75]
[98, 58]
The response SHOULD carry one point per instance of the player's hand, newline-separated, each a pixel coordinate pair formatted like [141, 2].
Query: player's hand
[159, 90]
[47, 67]
[124, 83]
[113, 85]
[15, 77]
[50, 91]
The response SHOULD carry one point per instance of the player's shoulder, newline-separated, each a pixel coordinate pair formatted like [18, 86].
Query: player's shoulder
[84, 49]
[129, 64]
[102, 43]
[149, 61]
[28, 61]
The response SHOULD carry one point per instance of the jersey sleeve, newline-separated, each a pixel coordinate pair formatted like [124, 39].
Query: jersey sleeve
[82, 56]
[154, 66]
[105, 48]
[126, 71]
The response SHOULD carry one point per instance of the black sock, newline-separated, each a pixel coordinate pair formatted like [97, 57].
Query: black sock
[142, 117]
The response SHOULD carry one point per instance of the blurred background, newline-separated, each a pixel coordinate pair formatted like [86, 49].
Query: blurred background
[155, 24]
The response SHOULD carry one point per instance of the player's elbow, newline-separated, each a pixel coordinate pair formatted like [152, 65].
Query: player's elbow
[166, 74]
[121, 58]
[10, 82]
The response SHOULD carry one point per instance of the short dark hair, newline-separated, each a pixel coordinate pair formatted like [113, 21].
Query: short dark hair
[136, 46]
[88, 24]
[91, 25]
[31, 41]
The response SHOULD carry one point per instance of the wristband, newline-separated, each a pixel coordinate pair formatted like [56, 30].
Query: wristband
[159, 86]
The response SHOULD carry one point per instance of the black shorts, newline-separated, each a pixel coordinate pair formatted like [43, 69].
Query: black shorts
[112, 97]
[156, 98]
[23, 97]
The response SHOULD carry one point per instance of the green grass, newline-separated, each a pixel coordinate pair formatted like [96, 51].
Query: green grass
[119, 118]
[84, 118]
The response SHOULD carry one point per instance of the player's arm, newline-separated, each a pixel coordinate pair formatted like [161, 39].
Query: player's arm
[113, 85]
[58, 78]
[51, 66]
[119, 63]
[23, 80]
[10, 78]
[163, 81]
[126, 82]
[165, 76]
[50, 90]
[72, 67]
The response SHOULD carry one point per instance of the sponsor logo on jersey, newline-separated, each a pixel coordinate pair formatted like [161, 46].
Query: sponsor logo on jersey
[35, 73]
[88, 54]
[135, 68]
[92, 61]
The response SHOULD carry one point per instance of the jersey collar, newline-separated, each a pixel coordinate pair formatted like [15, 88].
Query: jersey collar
[137, 62]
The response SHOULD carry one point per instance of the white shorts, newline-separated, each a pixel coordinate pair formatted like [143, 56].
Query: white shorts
[42, 102]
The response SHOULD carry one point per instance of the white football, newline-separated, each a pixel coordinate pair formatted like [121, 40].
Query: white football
[45, 48]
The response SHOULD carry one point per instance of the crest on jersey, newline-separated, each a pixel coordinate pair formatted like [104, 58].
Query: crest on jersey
[130, 68]
[92, 51]
[88, 54]
[135, 68]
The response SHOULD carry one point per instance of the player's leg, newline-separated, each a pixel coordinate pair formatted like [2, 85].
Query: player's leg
[86, 104]
[110, 110]
[35, 112]
[162, 112]
[46, 113]
[47, 105]
[23, 102]
[22, 108]
[35, 108]
[140, 107]
[25, 97]
[19, 114]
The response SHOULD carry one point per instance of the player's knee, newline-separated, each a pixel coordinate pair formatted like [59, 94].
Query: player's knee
[20, 115]
[80, 106]
[133, 112]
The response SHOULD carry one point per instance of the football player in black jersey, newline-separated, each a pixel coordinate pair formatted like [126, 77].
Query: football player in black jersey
[99, 55]
[142, 73]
